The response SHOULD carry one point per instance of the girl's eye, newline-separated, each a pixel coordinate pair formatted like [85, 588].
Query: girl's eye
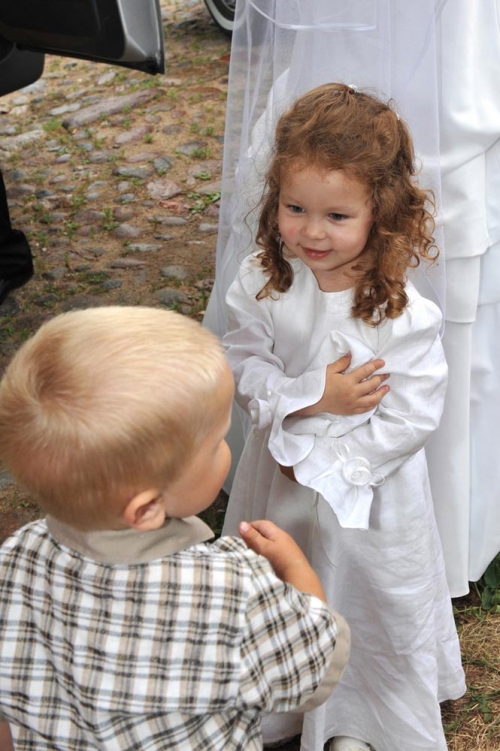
[338, 217]
[294, 209]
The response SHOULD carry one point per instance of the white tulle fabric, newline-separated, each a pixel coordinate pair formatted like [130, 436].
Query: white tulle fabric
[440, 61]
[283, 48]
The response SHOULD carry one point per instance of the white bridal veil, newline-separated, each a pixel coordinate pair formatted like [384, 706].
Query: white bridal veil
[405, 51]
[283, 48]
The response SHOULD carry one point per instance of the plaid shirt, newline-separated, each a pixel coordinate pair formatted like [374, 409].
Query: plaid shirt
[184, 651]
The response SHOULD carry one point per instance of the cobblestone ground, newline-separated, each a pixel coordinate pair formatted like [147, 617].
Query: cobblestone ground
[115, 178]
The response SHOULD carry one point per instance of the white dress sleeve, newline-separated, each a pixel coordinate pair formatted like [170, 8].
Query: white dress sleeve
[262, 388]
[345, 470]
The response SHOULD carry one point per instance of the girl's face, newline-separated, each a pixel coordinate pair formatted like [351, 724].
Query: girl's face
[324, 218]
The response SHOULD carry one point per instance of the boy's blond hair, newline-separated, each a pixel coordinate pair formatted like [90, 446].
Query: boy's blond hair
[101, 404]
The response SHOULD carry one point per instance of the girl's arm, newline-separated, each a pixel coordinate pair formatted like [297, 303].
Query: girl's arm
[345, 470]
[263, 389]
[351, 393]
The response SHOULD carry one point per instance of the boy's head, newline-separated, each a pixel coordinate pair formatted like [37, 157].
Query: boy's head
[107, 414]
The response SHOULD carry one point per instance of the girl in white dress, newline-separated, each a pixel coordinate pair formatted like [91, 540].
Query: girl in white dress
[342, 222]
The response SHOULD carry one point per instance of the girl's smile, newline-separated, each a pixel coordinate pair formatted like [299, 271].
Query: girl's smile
[315, 253]
[325, 218]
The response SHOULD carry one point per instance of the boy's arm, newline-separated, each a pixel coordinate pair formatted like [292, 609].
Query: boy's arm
[292, 567]
[287, 559]
[6, 743]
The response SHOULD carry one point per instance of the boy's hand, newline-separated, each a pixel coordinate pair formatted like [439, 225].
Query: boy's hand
[283, 553]
[350, 393]
[6, 743]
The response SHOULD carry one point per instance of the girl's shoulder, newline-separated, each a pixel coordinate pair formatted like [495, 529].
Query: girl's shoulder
[421, 308]
[252, 277]
[251, 265]
[248, 281]
[421, 319]
[250, 271]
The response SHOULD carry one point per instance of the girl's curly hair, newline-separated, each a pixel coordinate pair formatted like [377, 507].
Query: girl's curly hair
[336, 127]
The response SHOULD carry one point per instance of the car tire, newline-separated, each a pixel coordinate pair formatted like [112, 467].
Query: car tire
[222, 11]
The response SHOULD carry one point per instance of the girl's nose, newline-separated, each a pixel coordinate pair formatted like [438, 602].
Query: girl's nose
[314, 228]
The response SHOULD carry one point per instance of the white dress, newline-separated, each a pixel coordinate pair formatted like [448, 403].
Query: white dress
[383, 569]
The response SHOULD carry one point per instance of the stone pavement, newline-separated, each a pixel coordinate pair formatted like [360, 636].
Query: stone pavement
[115, 178]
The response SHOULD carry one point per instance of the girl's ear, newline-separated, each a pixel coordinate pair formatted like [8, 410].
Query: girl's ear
[145, 511]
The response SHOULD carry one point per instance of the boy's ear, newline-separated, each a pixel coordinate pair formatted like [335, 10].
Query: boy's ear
[145, 511]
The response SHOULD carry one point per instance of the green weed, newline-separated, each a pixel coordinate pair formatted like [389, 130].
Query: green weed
[488, 586]
[52, 125]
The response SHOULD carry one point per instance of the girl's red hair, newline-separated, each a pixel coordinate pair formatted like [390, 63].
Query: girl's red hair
[336, 127]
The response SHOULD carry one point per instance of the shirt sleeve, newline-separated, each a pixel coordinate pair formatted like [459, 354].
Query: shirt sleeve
[294, 648]
[262, 388]
[345, 470]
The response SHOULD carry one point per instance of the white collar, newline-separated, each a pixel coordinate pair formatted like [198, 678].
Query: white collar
[128, 546]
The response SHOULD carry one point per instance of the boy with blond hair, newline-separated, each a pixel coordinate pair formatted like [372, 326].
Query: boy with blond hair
[121, 628]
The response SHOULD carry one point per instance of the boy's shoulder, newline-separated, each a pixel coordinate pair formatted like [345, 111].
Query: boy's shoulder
[24, 537]
[234, 552]
[22, 556]
[46, 537]
[38, 547]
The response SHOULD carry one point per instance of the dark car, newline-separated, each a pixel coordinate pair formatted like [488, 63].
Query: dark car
[124, 32]
[222, 11]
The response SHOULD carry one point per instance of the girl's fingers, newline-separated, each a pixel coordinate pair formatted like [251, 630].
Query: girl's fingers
[341, 364]
[367, 370]
[371, 384]
[365, 403]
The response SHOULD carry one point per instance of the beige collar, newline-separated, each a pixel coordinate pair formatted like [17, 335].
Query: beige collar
[128, 546]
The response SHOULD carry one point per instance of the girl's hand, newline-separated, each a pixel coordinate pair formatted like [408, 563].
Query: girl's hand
[287, 559]
[350, 393]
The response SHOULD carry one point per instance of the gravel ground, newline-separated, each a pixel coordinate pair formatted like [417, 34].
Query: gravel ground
[115, 178]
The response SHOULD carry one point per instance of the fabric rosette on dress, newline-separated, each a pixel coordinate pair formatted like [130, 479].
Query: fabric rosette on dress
[300, 442]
